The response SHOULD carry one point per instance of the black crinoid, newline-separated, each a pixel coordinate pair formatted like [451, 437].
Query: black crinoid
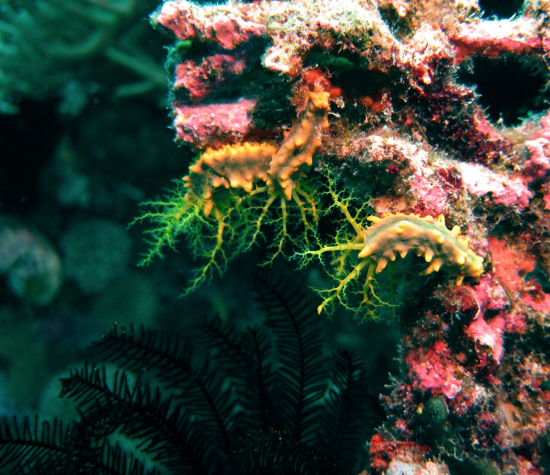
[252, 405]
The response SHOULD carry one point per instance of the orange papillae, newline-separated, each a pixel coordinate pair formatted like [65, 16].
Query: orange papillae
[391, 235]
[232, 166]
[442, 248]
[297, 150]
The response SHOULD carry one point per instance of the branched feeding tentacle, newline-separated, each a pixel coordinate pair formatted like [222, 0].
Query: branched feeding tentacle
[377, 245]
[231, 194]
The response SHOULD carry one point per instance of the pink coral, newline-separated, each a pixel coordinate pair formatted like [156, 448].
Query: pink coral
[538, 165]
[430, 195]
[433, 369]
[480, 181]
[543, 130]
[540, 302]
[489, 294]
[383, 451]
[492, 38]
[488, 334]
[510, 264]
[226, 28]
[199, 80]
[212, 124]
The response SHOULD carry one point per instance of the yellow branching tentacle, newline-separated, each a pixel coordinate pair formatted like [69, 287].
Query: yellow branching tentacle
[336, 248]
[312, 203]
[343, 206]
[283, 232]
[307, 227]
[259, 221]
[166, 218]
[342, 286]
[258, 190]
[214, 263]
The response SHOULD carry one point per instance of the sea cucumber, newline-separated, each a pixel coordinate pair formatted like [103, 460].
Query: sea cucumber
[443, 248]
[232, 166]
[300, 145]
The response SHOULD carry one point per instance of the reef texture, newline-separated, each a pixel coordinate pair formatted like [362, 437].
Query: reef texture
[363, 111]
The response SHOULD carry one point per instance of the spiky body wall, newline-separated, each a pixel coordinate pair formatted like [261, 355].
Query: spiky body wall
[443, 248]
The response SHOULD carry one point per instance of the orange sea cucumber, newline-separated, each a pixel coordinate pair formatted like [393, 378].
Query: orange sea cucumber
[443, 248]
[303, 140]
[232, 166]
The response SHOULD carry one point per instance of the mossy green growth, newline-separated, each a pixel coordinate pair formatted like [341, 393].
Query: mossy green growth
[238, 220]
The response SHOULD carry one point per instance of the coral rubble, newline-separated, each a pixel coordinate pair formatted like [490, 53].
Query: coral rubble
[390, 122]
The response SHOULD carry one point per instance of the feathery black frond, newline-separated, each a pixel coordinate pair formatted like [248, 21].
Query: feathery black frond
[274, 453]
[154, 426]
[26, 446]
[245, 358]
[201, 390]
[148, 350]
[342, 421]
[227, 343]
[207, 398]
[107, 459]
[154, 422]
[262, 409]
[91, 385]
[302, 370]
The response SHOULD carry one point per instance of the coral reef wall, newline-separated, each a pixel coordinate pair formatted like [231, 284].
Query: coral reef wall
[412, 128]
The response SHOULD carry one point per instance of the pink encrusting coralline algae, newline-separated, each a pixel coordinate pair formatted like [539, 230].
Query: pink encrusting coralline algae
[408, 134]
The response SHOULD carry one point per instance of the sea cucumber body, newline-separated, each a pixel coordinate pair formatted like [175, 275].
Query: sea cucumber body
[232, 166]
[297, 150]
[444, 249]
[241, 165]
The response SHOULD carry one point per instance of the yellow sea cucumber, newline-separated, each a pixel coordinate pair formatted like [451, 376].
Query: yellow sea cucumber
[442, 248]
[303, 140]
[389, 236]
[232, 166]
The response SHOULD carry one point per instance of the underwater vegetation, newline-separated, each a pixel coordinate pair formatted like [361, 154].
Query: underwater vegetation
[263, 400]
